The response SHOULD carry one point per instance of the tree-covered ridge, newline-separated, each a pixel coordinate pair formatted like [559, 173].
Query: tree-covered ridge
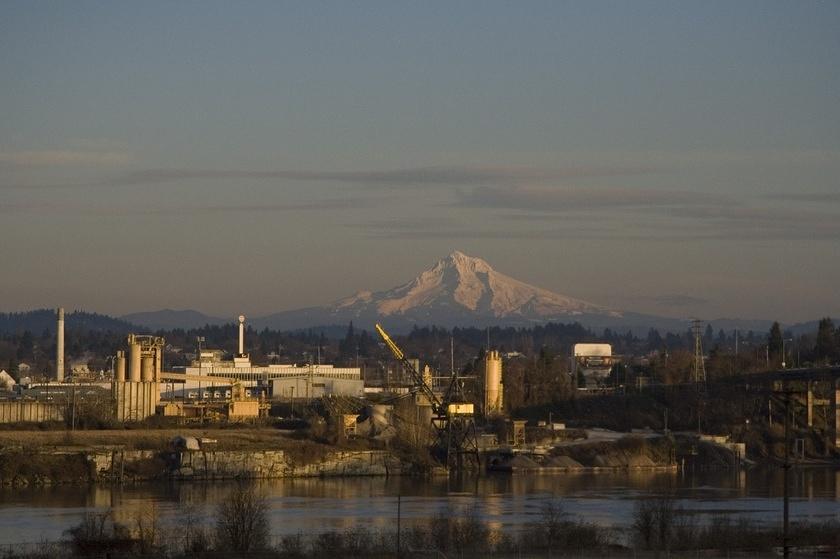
[41, 320]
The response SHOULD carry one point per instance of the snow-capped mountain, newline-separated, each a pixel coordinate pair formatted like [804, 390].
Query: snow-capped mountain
[468, 284]
[458, 290]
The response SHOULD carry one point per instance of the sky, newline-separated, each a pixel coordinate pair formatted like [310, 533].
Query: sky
[674, 158]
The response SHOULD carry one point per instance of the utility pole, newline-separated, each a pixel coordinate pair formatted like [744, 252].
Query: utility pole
[452, 354]
[73, 420]
[399, 520]
[781, 389]
[786, 513]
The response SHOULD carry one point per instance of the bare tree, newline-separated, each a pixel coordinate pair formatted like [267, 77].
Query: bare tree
[242, 521]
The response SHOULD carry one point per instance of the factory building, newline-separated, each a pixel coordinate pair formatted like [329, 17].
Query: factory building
[271, 381]
[593, 362]
[285, 381]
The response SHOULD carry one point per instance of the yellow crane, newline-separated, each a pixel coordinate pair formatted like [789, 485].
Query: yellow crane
[453, 417]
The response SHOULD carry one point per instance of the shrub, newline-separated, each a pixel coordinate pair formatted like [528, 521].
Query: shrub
[97, 533]
[654, 522]
[242, 521]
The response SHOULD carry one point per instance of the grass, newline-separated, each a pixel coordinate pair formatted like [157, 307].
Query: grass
[148, 439]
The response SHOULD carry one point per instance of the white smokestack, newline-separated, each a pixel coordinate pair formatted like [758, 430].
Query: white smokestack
[59, 345]
[241, 335]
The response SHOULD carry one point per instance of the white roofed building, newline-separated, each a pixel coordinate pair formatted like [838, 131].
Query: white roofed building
[593, 362]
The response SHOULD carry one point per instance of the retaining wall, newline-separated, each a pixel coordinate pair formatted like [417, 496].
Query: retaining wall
[16, 411]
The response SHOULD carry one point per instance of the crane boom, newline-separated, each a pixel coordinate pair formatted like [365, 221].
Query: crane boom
[437, 405]
[390, 343]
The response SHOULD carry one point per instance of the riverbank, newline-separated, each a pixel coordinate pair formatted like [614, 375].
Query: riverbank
[51, 457]
[56, 457]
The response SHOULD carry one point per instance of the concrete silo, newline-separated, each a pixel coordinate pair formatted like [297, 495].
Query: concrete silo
[137, 396]
[493, 402]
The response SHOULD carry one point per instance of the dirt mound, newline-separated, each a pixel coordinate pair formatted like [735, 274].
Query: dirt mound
[563, 462]
[520, 462]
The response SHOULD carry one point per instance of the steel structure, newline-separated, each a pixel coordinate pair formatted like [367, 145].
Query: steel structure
[453, 417]
[699, 368]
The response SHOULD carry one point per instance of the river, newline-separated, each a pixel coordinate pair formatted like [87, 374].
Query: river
[35, 514]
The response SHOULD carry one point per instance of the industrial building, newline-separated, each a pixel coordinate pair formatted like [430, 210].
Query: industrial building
[592, 362]
[287, 381]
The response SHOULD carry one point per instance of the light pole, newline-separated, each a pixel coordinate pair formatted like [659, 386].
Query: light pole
[199, 340]
[783, 349]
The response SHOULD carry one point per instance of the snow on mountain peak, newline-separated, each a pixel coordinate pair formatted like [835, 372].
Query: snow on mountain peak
[471, 283]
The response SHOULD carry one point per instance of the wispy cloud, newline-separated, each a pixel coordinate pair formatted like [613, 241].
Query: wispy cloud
[617, 214]
[87, 209]
[818, 197]
[561, 199]
[37, 206]
[250, 208]
[764, 223]
[46, 158]
[396, 177]
[433, 176]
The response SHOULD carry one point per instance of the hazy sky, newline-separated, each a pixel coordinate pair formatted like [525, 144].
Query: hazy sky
[677, 158]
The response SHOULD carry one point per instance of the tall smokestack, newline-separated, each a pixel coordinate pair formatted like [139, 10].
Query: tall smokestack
[241, 335]
[59, 345]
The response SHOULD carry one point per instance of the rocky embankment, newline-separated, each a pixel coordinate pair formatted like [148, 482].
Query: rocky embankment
[47, 467]
[626, 453]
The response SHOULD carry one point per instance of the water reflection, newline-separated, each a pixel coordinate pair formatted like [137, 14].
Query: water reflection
[307, 505]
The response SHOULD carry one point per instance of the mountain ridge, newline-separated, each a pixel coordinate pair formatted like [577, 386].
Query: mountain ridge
[456, 291]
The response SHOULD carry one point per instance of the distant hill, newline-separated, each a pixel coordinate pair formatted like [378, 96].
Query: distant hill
[809, 327]
[462, 290]
[44, 319]
[168, 319]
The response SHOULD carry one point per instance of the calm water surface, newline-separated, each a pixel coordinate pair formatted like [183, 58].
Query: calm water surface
[312, 505]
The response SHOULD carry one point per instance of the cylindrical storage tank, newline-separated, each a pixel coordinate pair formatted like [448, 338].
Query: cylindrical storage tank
[147, 368]
[492, 383]
[119, 367]
[134, 359]
[59, 345]
[158, 361]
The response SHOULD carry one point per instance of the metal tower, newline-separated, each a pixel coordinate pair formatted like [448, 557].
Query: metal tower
[699, 369]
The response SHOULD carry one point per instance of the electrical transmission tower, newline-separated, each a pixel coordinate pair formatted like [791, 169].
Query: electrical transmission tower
[699, 367]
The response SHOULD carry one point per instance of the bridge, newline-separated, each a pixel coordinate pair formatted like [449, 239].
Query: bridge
[806, 390]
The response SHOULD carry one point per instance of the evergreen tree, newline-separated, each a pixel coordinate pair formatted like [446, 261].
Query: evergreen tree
[826, 348]
[25, 346]
[365, 344]
[654, 340]
[347, 346]
[708, 337]
[774, 342]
